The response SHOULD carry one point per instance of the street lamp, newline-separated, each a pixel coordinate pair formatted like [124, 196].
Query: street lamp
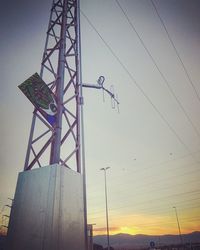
[108, 240]
[179, 229]
[90, 236]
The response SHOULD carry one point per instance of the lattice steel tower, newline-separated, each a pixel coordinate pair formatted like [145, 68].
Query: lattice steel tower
[61, 70]
[50, 202]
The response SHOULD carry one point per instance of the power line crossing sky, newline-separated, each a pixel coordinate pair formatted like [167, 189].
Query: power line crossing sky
[149, 50]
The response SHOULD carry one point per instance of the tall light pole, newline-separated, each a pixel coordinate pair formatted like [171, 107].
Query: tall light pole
[108, 240]
[90, 236]
[179, 229]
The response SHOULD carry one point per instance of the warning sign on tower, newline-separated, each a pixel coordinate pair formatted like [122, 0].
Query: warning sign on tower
[40, 95]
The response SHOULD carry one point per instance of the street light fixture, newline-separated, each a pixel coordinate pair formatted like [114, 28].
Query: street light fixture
[179, 229]
[108, 240]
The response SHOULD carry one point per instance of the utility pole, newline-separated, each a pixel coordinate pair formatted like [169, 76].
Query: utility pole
[179, 229]
[106, 199]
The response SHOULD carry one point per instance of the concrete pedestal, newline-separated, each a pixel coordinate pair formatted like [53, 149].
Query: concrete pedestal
[48, 211]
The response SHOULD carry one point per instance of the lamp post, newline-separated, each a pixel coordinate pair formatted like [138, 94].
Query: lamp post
[179, 229]
[108, 240]
[90, 236]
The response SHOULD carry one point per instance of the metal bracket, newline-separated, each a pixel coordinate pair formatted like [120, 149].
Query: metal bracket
[100, 85]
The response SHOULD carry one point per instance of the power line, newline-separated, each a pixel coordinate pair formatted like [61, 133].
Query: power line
[113, 217]
[146, 224]
[157, 165]
[127, 196]
[176, 50]
[144, 210]
[155, 207]
[157, 225]
[137, 85]
[150, 208]
[160, 199]
[149, 190]
[140, 88]
[150, 177]
[157, 67]
[156, 181]
[131, 212]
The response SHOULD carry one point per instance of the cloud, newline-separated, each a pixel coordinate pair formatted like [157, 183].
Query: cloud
[104, 229]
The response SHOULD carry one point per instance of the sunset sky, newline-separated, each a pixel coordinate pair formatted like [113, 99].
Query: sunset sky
[150, 52]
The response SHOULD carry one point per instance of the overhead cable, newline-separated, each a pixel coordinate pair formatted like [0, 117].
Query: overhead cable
[138, 85]
[157, 67]
[176, 50]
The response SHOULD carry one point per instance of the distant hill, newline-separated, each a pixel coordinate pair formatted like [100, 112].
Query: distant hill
[140, 240]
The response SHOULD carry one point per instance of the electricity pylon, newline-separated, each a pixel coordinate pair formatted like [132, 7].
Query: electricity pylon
[56, 135]
[59, 142]
[57, 139]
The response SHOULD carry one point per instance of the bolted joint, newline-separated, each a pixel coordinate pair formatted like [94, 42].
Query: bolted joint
[80, 100]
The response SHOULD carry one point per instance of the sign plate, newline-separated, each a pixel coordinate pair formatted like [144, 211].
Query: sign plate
[152, 244]
[40, 95]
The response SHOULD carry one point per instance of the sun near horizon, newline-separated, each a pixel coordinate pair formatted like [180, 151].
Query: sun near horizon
[133, 231]
[150, 224]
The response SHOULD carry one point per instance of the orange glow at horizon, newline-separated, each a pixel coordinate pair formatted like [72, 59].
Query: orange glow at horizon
[135, 231]
[151, 224]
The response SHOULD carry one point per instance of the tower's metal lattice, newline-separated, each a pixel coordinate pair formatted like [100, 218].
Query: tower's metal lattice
[60, 69]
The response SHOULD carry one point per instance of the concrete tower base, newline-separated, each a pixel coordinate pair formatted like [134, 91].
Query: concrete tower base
[48, 211]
